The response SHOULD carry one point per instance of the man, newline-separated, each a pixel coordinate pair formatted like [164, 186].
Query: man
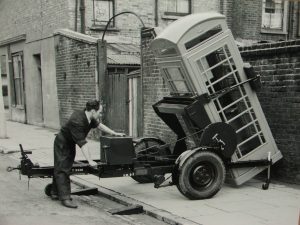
[74, 132]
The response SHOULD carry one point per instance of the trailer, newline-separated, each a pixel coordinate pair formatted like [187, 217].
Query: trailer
[221, 131]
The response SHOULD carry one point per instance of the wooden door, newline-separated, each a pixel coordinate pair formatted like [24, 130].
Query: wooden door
[117, 107]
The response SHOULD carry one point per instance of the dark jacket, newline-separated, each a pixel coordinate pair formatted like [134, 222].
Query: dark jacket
[77, 128]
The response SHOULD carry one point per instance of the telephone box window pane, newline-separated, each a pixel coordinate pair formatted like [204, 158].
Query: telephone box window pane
[175, 73]
[247, 132]
[233, 96]
[181, 86]
[250, 145]
[176, 80]
[216, 64]
[241, 121]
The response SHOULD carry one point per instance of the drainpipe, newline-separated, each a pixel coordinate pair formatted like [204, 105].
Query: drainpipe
[290, 20]
[76, 14]
[82, 16]
[298, 17]
[2, 112]
[221, 7]
[102, 77]
[156, 13]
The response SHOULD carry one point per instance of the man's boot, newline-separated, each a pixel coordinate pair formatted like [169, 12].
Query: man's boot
[54, 196]
[68, 203]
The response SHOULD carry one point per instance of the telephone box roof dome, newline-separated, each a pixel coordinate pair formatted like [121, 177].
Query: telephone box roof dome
[181, 26]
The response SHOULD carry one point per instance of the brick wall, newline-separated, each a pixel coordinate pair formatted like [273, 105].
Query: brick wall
[75, 74]
[279, 66]
[247, 19]
[226, 8]
[35, 18]
[154, 90]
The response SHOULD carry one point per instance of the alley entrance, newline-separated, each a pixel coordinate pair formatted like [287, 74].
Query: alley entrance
[123, 100]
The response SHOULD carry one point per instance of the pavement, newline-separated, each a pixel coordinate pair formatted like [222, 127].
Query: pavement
[247, 204]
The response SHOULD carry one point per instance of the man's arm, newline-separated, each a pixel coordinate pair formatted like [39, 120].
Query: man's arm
[87, 155]
[106, 129]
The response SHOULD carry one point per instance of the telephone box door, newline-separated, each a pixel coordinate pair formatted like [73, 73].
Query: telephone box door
[219, 65]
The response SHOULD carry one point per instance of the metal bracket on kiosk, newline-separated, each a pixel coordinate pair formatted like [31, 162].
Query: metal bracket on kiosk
[228, 89]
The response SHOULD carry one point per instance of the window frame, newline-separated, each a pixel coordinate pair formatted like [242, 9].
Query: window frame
[282, 30]
[170, 13]
[3, 61]
[94, 19]
[3, 65]
[18, 103]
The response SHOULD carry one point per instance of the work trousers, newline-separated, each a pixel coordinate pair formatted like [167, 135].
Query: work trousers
[64, 155]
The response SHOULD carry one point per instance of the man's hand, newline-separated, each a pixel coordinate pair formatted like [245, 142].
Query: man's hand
[93, 163]
[119, 134]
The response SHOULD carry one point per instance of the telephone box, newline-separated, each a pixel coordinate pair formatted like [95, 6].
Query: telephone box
[197, 56]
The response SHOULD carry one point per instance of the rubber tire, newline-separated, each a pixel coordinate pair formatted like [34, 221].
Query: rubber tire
[141, 145]
[184, 183]
[48, 189]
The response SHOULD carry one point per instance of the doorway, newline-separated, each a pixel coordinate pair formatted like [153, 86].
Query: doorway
[39, 88]
[135, 103]
[17, 79]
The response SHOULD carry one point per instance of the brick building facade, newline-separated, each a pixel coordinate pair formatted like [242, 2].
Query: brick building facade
[27, 47]
[27, 43]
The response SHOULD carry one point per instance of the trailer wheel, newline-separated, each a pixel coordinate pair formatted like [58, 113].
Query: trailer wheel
[147, 143]
[201, 176]
[48, 189]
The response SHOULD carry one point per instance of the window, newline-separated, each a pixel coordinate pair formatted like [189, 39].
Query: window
[178, 7]
[3, 66]
[176, 80]
[274, 15]
[103, 10]
[4, 90]
[17, 86]
[4, 80]
[4, 76]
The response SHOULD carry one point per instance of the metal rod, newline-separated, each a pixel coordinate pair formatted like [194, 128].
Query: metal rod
[76, 14]
[118, 15]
